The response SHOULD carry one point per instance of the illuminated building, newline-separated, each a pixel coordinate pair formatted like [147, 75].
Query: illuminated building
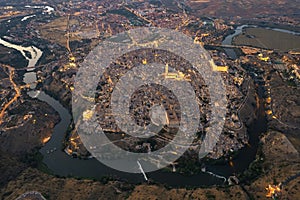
[144, 62]
[269, 112]
[261, 57]
[273, 191]
[45, 140]
[87, 115]
[218, 68]
[179, 76]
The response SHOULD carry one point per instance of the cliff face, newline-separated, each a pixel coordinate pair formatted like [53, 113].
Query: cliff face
[286, 109]
[10, 168]
[21, 134]
[55, 88]
[281, 163]
[27, 126]
[62, 188]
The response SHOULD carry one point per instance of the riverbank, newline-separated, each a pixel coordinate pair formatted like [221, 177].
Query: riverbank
[62, 164]
[266, 24]
[279, 163]
[268, 39]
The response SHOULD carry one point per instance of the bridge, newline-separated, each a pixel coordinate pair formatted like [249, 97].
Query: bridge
[234, 46]
[28, 68]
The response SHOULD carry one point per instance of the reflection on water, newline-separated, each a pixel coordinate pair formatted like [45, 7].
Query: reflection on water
[228, 40]
[62, 164]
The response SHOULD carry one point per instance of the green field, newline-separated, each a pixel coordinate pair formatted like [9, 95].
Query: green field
[268, 39]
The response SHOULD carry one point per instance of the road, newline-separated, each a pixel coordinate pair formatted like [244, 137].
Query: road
[16, 88]
[242, 106]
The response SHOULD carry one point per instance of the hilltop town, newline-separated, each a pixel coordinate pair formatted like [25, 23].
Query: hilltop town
[261, 74]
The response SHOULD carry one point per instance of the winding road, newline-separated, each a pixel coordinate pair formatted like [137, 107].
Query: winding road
[16, 88]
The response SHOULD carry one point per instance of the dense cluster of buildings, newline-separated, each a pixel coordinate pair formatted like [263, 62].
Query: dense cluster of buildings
[100, 19]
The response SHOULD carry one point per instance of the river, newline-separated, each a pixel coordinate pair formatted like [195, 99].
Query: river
[228, 40]
[64, 165]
